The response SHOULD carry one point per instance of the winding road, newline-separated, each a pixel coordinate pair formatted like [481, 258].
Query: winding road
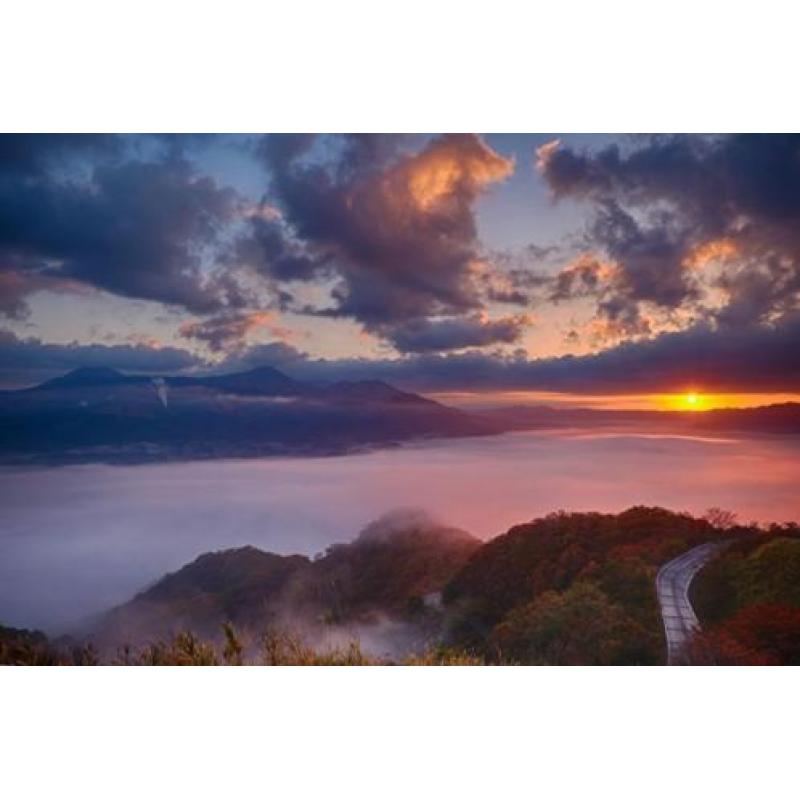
[672, 585]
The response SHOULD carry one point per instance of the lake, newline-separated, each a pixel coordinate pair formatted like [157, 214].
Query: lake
[75, 540]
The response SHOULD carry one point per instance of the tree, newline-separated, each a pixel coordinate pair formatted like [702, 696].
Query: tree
[720, 518]
[578, 626]
[766, 634]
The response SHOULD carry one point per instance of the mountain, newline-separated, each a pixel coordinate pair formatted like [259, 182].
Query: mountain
[99, 414]
[392, 571]
[263, 381]
[372, 392]
[555, 552]
[102, 414]
[88, 376]
[390, 568]
[241, 585]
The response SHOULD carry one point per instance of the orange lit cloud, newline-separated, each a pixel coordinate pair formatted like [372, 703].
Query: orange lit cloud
[603, 332]
[144, 340]
[713, 251]
[264, 211]
[393, 231]
[587, 274]
[451, 167]
[545, 153]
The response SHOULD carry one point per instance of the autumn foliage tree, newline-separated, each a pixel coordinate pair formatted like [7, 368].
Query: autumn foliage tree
[766, 634]
[578, 626]
[571, 588]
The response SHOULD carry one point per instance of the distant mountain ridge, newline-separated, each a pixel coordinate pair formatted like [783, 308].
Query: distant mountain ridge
[102, 414]
[258, 382]
[87, 376]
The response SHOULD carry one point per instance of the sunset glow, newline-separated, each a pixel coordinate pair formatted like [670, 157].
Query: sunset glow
[684, 401]
[693, 401]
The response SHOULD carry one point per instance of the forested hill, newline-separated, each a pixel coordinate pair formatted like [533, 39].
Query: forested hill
[564, 589]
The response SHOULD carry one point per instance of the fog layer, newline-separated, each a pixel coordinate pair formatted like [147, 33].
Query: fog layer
[77, 540]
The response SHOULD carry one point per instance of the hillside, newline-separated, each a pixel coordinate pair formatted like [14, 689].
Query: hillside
[571, 588]
[240, 586]
[564, 589]
[748, 601]
[388, 573]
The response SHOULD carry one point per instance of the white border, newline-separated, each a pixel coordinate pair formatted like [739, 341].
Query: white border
[423, 65]
[399, 732]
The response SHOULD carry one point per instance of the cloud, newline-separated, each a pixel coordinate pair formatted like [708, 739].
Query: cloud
[73, 210]
[455, 333]
[670, 204]
[764, 358]
[34, 154]
[273, 354]
[28, 360]
[584, 276]
[394, 231]
[271, 247]
[228, 332]
[388, 234]
[17, 285]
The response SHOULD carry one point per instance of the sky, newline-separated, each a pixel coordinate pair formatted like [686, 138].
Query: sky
[582, 266]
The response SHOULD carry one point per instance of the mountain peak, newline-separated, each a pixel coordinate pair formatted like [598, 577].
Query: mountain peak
[264, 370]
[261, 380]
[374, 391]
[85, 376]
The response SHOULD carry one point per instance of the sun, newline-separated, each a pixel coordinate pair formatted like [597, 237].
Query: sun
[692, 400]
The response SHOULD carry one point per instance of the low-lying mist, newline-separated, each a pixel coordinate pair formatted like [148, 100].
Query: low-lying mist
[77, 540]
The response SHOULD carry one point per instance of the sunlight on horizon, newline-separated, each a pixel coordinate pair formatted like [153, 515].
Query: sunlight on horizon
[690, 400]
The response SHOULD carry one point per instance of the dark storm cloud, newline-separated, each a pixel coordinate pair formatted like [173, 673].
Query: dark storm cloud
[659, 165]
[270, 246]
[134, 228]
[757, 291]
[664, 200]
[456, 333]
[394, 230]
[27, 360]
[760, 358]
[34, 154]
[651, 256]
